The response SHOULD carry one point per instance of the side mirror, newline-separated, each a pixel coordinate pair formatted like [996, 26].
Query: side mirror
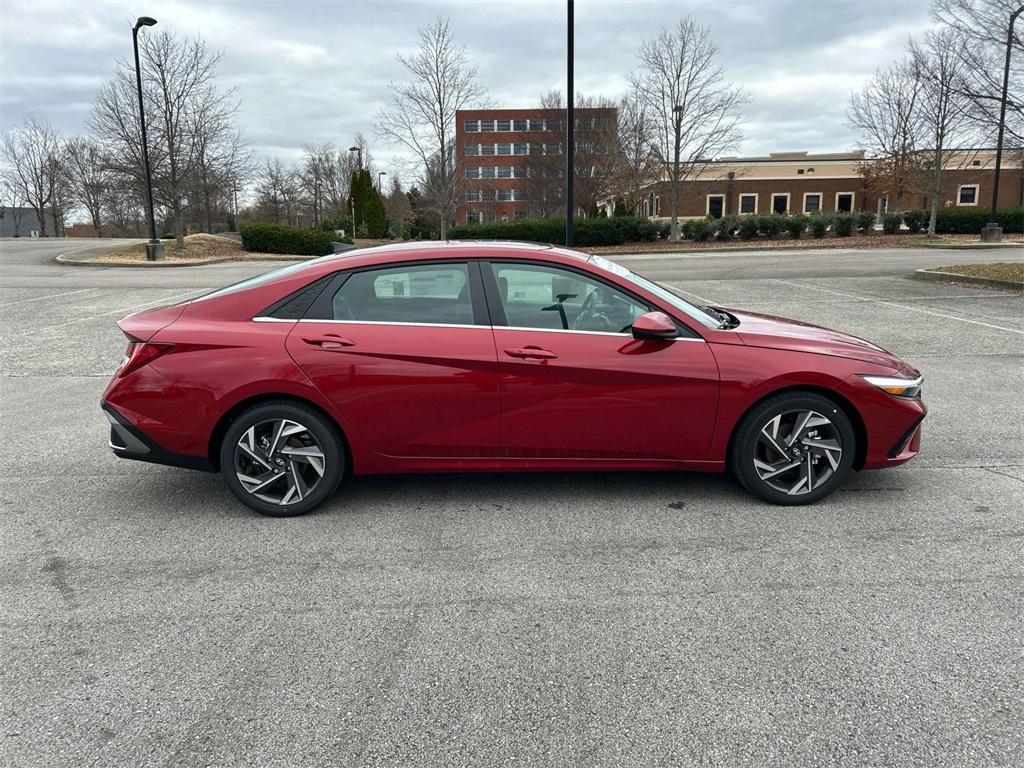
[654, 325]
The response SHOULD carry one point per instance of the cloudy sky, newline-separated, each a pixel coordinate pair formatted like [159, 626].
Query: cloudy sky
[320, 70]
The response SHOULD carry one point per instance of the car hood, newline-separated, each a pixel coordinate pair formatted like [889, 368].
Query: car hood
[757, 330]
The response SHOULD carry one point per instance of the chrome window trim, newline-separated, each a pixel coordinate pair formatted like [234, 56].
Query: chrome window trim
[460, 325]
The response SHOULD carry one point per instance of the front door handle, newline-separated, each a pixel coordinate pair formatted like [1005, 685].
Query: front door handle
[328, 341]
[531, 351]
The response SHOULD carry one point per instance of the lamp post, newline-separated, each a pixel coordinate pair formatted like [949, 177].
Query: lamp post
[351, 197]
[993, 233]
[570, 130]
[154, 248]
[379, 174]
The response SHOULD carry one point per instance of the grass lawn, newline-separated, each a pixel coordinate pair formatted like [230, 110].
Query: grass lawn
[1013, 273]
[199, 249]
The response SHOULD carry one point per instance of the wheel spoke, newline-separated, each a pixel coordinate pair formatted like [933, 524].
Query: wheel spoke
[801, 485]
[296, 478]
[253, 484]
[309, 454]
[768, 471]
[770, 435]
[830, 449]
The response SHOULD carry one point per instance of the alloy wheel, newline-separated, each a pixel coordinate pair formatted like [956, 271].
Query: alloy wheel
[797, 451]
[279, 461]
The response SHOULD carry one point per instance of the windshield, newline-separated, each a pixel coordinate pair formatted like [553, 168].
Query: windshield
[693, 311]
[252, 282]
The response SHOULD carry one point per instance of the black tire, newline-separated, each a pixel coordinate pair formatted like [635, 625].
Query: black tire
[320, 433]
[822, 478]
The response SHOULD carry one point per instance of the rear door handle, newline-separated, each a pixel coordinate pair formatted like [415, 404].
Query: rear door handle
[531, 351]
[328, 341]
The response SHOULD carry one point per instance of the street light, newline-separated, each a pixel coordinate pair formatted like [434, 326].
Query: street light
[993, 233]
[154, 248]
[570, 129]
[379, 174]
[351, 197]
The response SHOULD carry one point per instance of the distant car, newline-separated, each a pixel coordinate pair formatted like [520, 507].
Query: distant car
[482, 357]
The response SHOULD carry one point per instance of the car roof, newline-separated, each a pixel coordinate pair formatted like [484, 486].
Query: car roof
[447, 249]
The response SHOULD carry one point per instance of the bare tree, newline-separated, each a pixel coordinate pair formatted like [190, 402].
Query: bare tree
[984, 25]
[696, 113]
[278, 192]
[887, 115]
[422, 114]
[189, 119]
[635, 170]
[939, 65]
[89, 178]
[33, 169]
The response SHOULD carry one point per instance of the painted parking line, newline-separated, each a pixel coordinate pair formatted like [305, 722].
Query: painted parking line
[900, 306]
[49, 296]
[162, 300]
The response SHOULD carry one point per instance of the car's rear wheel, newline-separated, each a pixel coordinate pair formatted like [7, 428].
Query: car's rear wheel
[282, 459]
[794, 448]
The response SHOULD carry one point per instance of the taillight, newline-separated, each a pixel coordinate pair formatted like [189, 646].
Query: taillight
[139, 353]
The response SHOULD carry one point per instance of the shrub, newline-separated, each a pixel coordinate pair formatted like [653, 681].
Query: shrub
[866, 222]
[770, 225]
[685, 228]
[818, 224]
[620, 209]
[963, 220]
[842, 224]
[795, 225]
[891, 223]
[701, 230]
[587, 232]
[726, 227]
[916, 220]
[665, 230]
[264, 237]
[748, 227]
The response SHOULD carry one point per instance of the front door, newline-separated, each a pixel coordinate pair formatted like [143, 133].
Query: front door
[576, 385]
[407, 356]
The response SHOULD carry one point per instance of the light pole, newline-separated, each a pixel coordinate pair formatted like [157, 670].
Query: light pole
[351, 197]
[677, 128]
[570, 130]
[379, 174]
[993, 233]
[154, 248]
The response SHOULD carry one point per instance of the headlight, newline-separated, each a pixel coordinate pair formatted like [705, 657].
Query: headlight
[895, 385]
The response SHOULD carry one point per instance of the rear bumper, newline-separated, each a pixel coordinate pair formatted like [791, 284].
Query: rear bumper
[129, 442]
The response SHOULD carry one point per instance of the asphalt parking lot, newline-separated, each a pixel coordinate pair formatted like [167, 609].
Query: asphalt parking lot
[597, 620]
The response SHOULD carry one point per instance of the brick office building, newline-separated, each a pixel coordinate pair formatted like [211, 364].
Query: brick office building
[800, 182]
[512, 164]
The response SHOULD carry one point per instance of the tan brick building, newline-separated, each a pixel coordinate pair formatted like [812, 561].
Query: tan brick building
[801, 182]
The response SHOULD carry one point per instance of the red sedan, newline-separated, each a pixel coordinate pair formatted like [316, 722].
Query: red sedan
[483, 357]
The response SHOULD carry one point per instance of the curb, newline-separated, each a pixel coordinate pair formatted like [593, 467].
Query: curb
[68, 258]
[935, 276]
[972, 246]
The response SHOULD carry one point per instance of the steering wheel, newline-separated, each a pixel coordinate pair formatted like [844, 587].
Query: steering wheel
[589, 316]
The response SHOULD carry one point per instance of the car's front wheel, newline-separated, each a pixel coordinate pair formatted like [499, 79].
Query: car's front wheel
[794, 448]
[282, 459]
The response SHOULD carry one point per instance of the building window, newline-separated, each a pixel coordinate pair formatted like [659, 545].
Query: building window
[780, 202]
[487, 172]
[844, 202]
[472, 172]
[657, 205]
[715, 206]
[506, 195]
[812, 202]
[504, 149]
[504, 171]
[487, 126]
[472, 150]
[967, 194]
[471, 126]
[799, 171]
[748, 203]
[504, 125]
[520, 149]
[519, 125]
[472, 217]
[536, 125]
[472, 195]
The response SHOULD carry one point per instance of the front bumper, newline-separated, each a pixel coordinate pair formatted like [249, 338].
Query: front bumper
[129, 442]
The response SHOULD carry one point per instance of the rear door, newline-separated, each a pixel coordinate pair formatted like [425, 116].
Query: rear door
[407, 355]
[575, 384]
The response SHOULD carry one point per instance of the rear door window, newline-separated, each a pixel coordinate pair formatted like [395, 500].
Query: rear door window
[435, 294]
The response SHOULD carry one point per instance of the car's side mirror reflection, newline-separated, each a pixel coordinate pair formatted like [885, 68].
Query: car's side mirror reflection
[654, 325]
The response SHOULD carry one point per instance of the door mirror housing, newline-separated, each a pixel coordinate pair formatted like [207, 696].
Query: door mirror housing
[654, 325]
